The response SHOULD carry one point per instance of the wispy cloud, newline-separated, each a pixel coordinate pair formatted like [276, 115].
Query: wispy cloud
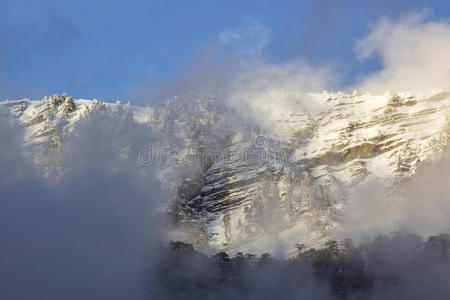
[415, 54]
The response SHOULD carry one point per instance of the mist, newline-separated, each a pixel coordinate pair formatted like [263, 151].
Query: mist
[86, 233]
[414, 53]
[418, 205]
[410, 51]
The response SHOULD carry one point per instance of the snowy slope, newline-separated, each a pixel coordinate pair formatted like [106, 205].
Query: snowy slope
[262, 188]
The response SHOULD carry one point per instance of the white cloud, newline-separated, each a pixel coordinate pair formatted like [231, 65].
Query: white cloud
[250, 39]
[415, 54]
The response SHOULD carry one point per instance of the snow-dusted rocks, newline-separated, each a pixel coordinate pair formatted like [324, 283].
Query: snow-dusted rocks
[237, 186]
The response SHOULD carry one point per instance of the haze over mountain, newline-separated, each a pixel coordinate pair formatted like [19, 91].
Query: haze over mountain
[231, 185]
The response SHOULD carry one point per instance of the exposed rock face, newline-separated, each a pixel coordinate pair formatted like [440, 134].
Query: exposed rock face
[235, 186]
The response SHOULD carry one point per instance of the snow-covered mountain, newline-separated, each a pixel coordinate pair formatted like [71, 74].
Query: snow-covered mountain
[237, 184]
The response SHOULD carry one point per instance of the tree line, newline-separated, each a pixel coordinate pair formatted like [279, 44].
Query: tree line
[395, 266]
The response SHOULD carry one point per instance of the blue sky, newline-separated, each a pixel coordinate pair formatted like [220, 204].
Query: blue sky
[108, 49]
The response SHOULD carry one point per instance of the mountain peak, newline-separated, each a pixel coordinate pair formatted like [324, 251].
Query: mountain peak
[248, 184]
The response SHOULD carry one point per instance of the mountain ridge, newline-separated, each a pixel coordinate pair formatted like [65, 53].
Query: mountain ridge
[239, 185]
